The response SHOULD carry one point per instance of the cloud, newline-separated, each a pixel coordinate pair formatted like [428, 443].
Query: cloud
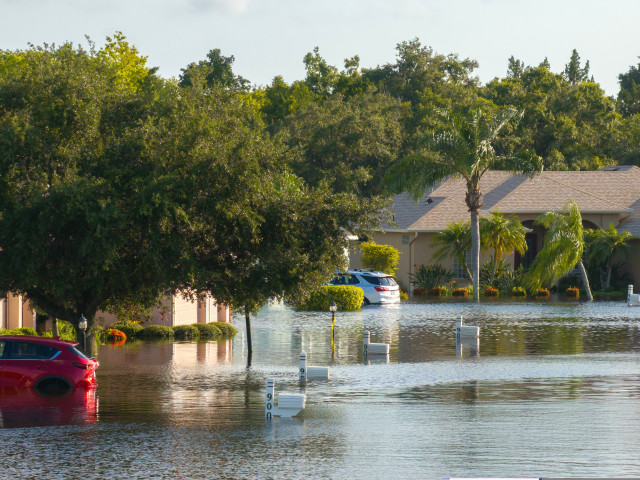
[227, 6]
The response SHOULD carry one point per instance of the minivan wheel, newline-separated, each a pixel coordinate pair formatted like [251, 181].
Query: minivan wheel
[53, 386]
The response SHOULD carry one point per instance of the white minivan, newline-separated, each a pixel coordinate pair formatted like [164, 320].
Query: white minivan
[378, 287]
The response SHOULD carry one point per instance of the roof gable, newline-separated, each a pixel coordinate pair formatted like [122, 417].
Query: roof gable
[614, 191]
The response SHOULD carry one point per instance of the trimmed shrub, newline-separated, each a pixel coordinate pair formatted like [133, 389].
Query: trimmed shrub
[543, 293]
[130, 329]
[518, 292]
[155, 331]
[208, 330]
[612, 295]
[404, 295]
[113, 335]
[439, 291]
[25, 331]
[573, 292]
[225, 328]
[460, 292]
[346, 297]
[491, 292]
[382, 258]
[185, 332]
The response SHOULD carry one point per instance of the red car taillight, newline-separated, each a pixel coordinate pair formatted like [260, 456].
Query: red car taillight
[84, 366]
[382, 289]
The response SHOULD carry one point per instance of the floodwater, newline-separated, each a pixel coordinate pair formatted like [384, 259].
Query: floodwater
[550, 389]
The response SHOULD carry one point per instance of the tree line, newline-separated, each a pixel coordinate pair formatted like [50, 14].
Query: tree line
[118, 186]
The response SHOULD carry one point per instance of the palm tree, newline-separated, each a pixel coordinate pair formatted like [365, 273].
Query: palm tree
[503, 235]
[604, 245]
[562, 249]
[463, 149]
[453, 241]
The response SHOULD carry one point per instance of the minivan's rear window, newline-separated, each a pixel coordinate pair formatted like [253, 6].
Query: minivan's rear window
[387, 281]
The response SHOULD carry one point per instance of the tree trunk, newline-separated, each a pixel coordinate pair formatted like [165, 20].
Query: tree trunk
[475, 253]
[585, 280]
[247, 318]
[87, 339]
[54, 327]
[466, 268]
[608, 280]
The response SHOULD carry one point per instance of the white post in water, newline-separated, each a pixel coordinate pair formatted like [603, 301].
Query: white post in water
[302, 373]
[465, 330]
[633, 299]
[268, 413]
[369, 348]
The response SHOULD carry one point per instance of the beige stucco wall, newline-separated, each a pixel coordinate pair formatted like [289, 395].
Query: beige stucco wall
[3, 313]
[14, 311]
[418, 252]
[180, 311]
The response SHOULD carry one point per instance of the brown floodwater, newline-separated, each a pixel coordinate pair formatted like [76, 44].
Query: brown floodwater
[549, 389]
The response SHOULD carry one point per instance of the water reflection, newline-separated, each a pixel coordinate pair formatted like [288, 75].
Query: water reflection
[26, 408]
[468, 347]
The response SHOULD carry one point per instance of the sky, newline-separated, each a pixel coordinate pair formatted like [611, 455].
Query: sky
[271, 37]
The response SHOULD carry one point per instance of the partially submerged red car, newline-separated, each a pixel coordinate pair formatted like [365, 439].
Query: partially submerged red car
[49, 365]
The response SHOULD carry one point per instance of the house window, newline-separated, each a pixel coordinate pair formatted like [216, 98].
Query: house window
[405, 239]
[458, 269]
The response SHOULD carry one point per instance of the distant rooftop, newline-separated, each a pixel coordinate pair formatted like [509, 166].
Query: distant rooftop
[614, 190]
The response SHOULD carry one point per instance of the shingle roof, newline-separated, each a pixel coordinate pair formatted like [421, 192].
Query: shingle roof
[613, 190]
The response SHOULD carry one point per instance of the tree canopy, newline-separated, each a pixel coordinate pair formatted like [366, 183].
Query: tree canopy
[127, 190]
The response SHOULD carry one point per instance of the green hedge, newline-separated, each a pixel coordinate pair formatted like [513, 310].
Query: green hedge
[208, 330]
[226, 329]
[611, 296]
[155, 331]
[185, 332]
[19, 331]
[345, 296]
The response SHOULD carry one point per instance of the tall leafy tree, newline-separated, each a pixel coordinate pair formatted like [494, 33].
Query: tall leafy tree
[214, 71]
[574, 73]
[118, 194]
[571, 126]
[603, 246]
[349, 143]
[453, 242]
[629, 94]
[418, 69]
[464, 149]
[73, 228]
[502, 234]
[562, 250]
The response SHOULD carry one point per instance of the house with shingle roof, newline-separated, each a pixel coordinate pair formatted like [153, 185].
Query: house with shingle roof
[607, 196]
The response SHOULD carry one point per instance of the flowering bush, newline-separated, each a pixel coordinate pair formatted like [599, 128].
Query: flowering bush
[114, 335]
[404, 295]
[519, 292]
[573, 292]
[491, 292]
[543, 293]
[438, 291]
[460, 292]
[419, 292]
